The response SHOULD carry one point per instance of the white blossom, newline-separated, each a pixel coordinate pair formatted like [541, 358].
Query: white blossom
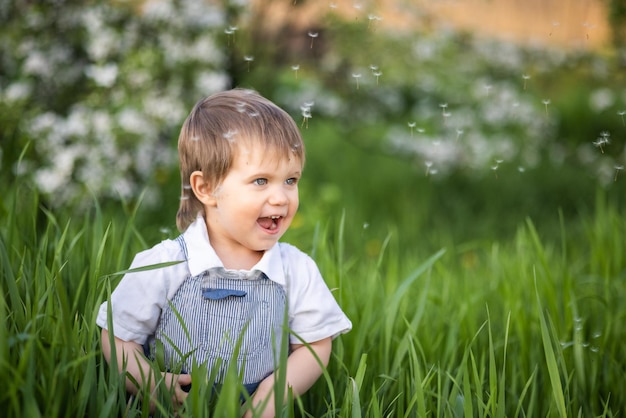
[17, 91]
[103, 75]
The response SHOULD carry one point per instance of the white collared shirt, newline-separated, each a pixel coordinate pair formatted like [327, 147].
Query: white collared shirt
[137, 302]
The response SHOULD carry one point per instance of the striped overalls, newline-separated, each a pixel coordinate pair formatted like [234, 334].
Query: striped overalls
[222, 312]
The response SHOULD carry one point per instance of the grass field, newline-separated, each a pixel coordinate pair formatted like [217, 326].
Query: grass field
[518, 328]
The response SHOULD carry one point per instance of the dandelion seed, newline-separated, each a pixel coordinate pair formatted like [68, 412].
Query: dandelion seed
[357, 6]
[306, 115]
[495, 167]
[333, 5]
[184, 198]
[621, 113]
[526, 77]
[372, 18]
[411, 126]
[366, 225]
[195, 138]
[295, 69]
[377, 74]
[521, 169]
[618, 168]
[546, 102]
[356, 76]
[313, 35]
[588, 26]
[488, 88]
[599, 144]
[554, 25]
[248, 59]
[459, 132]
[443, 107]
[230, 31]
[428, 165]
[602, 141]
[421, 130]
[187, 187]
[229, 135]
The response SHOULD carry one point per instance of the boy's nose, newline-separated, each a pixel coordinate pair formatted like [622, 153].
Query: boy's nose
[278, 197]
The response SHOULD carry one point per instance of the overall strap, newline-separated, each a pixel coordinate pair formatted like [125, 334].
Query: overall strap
[183, 245]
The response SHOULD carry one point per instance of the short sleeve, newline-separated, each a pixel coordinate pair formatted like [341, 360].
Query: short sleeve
[314, 314]
[137, 301]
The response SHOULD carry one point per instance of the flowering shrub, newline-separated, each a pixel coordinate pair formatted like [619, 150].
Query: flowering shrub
[102, 87]
[452, 101]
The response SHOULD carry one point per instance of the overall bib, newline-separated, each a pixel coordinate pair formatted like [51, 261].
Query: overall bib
[220, 317]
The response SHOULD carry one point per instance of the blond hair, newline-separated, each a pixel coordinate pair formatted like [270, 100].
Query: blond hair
[210, 135]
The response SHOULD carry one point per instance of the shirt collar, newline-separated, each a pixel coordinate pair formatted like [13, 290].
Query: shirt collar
[202, 257]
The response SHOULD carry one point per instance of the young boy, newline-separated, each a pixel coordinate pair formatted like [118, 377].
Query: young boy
[241, 158]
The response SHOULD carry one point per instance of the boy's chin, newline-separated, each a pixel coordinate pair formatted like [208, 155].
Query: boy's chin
[268, 244]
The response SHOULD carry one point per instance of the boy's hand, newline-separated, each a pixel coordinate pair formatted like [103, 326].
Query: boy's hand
[179, 385]
[303, 369]
[264, 395]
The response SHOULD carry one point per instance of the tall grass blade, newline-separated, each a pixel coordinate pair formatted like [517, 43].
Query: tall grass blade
[356, 384]
[394, 303]
[553, 368]
[500, 412]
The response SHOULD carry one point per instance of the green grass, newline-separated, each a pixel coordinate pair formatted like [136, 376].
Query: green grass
[529, 326]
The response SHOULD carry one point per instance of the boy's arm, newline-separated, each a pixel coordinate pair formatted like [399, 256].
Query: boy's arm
[303, 370]
[130, 357]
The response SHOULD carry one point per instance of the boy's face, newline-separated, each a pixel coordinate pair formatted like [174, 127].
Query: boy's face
[254, 205]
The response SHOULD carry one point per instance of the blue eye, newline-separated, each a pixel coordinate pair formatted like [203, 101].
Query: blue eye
[291, 181]
[260, 182]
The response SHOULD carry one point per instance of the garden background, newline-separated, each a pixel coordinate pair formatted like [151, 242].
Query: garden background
[463, 194]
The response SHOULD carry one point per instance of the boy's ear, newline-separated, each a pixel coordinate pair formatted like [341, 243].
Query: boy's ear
[202, 189]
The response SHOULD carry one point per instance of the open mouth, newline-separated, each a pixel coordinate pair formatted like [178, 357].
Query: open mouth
[271, 223]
